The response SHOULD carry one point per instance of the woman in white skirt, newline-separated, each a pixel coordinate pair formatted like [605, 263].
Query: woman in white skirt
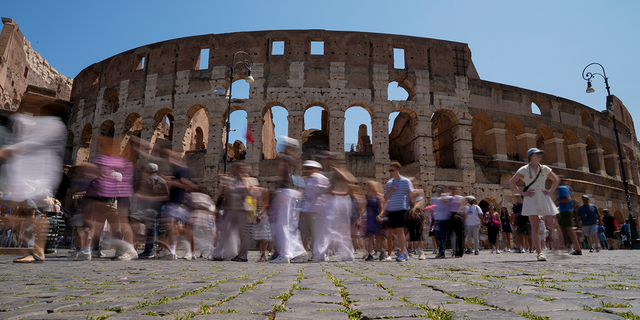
[537, 199]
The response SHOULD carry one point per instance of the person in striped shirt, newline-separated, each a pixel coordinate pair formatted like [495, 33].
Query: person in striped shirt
[399, 195]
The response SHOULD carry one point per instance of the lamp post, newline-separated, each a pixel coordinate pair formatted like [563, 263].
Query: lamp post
[246, 62]
[632, 219]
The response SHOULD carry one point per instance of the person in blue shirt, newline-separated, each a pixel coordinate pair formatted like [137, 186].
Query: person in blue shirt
[625, 231]
[588, 217]
[565, 217]
[399, 195]
[601, 236]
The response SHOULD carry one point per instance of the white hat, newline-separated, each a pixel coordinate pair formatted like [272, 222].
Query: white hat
[312, 164]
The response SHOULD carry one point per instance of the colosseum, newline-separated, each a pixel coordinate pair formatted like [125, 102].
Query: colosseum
[454, 129]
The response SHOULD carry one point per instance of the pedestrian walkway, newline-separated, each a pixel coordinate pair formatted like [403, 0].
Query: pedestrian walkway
[603, 285]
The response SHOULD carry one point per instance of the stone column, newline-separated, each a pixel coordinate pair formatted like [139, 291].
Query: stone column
[380, 141]
[336, 134]
[296, 125]
[462, 150]
[526, 141]
[148, 133]
[627, 168]
[424, 149]
[95, 133]
[554, 151]
[497, 136]
[178, 144]
[254, 150]
[578, 156]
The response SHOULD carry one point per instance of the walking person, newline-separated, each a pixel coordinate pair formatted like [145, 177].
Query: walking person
[374, 230]
[625, 232]
[472, 224]
[441, 218]
[458, 217]
[588, 217]
[537, 199]
[609, 228]
[565, 205]
[399, 194]
[505, 220]
[494, 227]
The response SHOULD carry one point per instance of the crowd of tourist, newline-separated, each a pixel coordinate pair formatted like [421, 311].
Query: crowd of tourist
[142, 202]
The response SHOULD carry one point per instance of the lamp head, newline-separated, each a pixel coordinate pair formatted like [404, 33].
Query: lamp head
[249, 78]
[590, 88]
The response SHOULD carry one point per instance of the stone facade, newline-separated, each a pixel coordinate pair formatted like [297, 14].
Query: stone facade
[21, 66]
[454, 129]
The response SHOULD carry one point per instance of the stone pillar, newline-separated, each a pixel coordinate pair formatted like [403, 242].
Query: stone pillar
[462, 149]
[336, 134]
[380, 141]
[95, 133]
[526, 141]
[597, 156]
[554, 151]
[497, 136]
[178, 144]
[148, 133]
[578, 156]
[296, 125]
[635, 172]
[627, 168]
[254, 150]
[424, 149]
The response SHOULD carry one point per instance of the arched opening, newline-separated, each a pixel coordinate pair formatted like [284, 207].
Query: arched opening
[357, 130]
[196, 136]
[111, 100]
[572, 154]
[586, 118]
[485, 203]
[315, 136]
[593, 156]
[84, 145]
[396, 92]
[163, 133]
[481, 143]
[542, 134]
[198, 140]
[535, 109]
[515, 150]
[619, 217]
[610, 158]
[107, 129]
[240, 89]
[403, 138]
[275, 124]
[443, 123]
[237, 136]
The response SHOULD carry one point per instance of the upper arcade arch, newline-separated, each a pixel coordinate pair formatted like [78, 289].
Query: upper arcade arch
[443, 123]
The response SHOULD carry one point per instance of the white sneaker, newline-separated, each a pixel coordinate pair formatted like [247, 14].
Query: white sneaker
[542, 257]
[79, 256]
[497, 251]
[280, 259]
[127, 256]
[421, 256]
[387, 258]
[166, 255]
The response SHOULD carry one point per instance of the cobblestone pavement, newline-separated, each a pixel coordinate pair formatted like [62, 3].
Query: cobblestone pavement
[603, 285]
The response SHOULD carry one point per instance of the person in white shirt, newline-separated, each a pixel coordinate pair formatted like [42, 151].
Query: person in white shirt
[472, 224]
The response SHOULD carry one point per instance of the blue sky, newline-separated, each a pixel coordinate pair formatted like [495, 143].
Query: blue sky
[539, 45]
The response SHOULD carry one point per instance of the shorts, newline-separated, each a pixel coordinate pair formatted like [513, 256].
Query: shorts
[590, 230]
[397, 219]
[524, 230]
[415, 229]
[565, 219]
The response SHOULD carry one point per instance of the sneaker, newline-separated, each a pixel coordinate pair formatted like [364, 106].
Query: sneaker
[126, 256]
[509, 250]
[591, 250]
[369, 258]
[387, 258]
[476, 252]
[421, 256]
[80, 256]
[280, 259]
[401, 258]
[542, 257]
[146, 255]
[382, 256]
[497, 251]
[98, 254]
[492, 251]
[166, 255]
[576, 253]
[440, 256]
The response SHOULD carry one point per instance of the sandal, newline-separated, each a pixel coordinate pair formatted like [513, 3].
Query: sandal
[262, 259]
[36, 259]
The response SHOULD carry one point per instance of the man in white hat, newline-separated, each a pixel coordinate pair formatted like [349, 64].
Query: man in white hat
[314, 202]
[472, 223]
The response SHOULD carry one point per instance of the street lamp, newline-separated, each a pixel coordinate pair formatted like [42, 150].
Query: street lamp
[632, 220]
[247, 62]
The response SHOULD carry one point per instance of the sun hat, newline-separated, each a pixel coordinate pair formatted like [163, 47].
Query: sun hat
[534, 150]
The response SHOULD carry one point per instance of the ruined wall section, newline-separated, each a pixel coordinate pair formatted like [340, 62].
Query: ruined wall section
[21, 66]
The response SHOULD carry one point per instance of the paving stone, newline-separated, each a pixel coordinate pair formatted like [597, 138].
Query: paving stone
[235, 316]
[377, 304]
[577, 315]
[76, 315]
[171, 307]
[486, 315]
[311, 307]
[381, 313]
[324, 315]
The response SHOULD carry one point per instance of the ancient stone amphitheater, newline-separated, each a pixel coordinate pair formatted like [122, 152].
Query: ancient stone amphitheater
[454, 129]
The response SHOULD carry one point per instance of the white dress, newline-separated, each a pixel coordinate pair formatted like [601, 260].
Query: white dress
[539, 204]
